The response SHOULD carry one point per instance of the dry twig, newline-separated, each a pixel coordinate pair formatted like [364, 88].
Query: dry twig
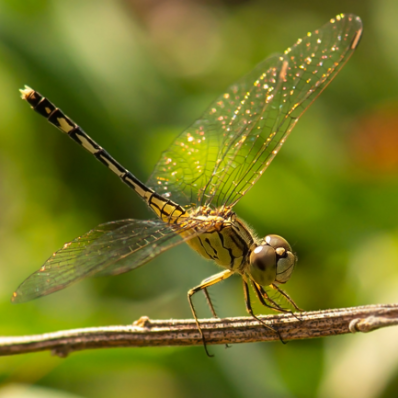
[146, 332]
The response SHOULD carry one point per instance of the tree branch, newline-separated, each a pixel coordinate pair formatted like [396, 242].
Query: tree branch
[149, 333]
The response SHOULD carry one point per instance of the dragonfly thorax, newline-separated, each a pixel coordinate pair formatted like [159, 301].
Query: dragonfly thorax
[221, 237]
[272, 261]
[228, 241]
[223, 211]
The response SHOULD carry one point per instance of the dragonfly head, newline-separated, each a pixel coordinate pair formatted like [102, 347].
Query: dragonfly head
[272, 261]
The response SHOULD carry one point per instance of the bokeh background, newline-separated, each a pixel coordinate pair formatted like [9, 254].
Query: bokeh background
[135, 73]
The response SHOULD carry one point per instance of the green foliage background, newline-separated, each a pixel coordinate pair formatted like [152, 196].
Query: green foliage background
[134, 74]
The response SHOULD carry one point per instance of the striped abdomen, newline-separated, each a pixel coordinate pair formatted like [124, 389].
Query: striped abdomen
[166, 209]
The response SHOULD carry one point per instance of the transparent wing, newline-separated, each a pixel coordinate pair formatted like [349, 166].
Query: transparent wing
[109, 249]
[219, 158]
[307, 68]
[187, 167]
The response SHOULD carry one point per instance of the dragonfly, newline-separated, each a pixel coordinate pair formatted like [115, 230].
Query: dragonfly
[203, 175]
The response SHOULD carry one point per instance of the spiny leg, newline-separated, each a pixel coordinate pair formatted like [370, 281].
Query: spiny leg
[262, 296]
[265, 294]
[287, 297]
[212, 309]
[249, 306]
[209, 302]
[258, 290]
[212, 280]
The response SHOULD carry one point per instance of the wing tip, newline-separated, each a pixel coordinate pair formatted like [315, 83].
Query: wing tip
[17, 298]
[358, 26]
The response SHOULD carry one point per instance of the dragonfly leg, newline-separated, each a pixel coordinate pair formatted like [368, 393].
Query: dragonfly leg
[263, 296]
[209, 302]
[212, 280]
[213, 311]
[275, 305]
[250, 310]
[278, 307]
[288, 298]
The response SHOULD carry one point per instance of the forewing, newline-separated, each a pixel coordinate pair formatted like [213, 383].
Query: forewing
[197, 157]
[307, 68]
[219, 158]
[110, 248]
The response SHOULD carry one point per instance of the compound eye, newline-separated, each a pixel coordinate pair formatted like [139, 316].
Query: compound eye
[285, 259]
[285, 267]
[263, 265]
[277, 241]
